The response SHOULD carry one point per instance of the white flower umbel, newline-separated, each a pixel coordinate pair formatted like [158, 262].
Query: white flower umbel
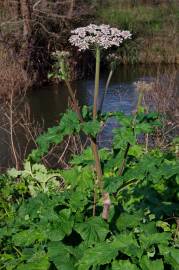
[102, 36]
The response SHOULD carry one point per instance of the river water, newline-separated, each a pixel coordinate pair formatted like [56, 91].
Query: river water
[47, 103]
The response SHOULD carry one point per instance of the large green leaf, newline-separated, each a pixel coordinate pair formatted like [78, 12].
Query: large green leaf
[127, 244]
[78, 200]
[112, 184]
[136, 151]
[124, 120]
[62, 227]
[147, 240]
[37, 262]
[147, 264]
[91, 127]
[123, 265]
[79, 177]
[66, 220]
[122, 136]
[101, 254]
[93, 230]
[128, 221]
[104, 253]
[87, 157]
[59, 254]
[171, 256]
[28, 237]
[68, 125]
[55, 232]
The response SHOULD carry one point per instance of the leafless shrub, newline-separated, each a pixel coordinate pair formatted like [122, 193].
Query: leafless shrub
[163, 97]
[12, 77]
[20, 131]
[59, 155]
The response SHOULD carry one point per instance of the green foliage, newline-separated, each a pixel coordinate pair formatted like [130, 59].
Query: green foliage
[61, 66]
[136, 19]
[123, 265]
[93, 230]
[46, 215]
[68, 125]
[143, 19]
[36, 178]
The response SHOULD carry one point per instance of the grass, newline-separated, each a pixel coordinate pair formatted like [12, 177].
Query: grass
[136, 19]
[155, 28]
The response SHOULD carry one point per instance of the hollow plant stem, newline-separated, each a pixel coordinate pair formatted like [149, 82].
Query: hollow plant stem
[96, 90]
[97, 163]
[94, 145]
[105, 196]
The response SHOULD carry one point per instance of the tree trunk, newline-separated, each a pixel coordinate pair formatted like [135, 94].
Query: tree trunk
[27, 33]
[26, 15]
[44, 4]
[72, 5]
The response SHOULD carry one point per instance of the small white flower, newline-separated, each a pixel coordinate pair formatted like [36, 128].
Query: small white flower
[143, 86]
[103, 36]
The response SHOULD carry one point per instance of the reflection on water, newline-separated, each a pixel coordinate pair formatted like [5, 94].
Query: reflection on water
[47, 103]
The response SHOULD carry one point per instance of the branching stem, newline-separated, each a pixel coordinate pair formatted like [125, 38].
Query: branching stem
[93, 141]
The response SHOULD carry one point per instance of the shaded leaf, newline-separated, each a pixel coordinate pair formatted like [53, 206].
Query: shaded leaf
[93, 230]
[147, 264]
[123, 265]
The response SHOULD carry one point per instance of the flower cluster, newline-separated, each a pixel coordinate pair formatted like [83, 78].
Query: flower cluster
[61, 66]
[143, 86]
[103, 36]
[112, 57]
[61, 54]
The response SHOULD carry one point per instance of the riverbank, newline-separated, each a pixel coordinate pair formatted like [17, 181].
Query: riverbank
[155, 30]
[43, 107]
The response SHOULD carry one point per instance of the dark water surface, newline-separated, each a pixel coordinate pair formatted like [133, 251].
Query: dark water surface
[47, 103]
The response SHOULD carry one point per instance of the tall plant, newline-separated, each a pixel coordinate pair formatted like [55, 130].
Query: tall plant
[95, 38]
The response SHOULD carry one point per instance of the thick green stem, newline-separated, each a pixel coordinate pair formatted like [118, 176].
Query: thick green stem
[140, 98]
[96, 90]
[94, 146]
[97, 163]
[95, 110]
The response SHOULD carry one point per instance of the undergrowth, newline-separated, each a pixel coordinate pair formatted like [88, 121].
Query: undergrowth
[46, 215]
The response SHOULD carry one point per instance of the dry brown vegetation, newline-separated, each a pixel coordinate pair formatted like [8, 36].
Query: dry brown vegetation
[19, 131]
[13, 77]
[163, 97]
[29, 31]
